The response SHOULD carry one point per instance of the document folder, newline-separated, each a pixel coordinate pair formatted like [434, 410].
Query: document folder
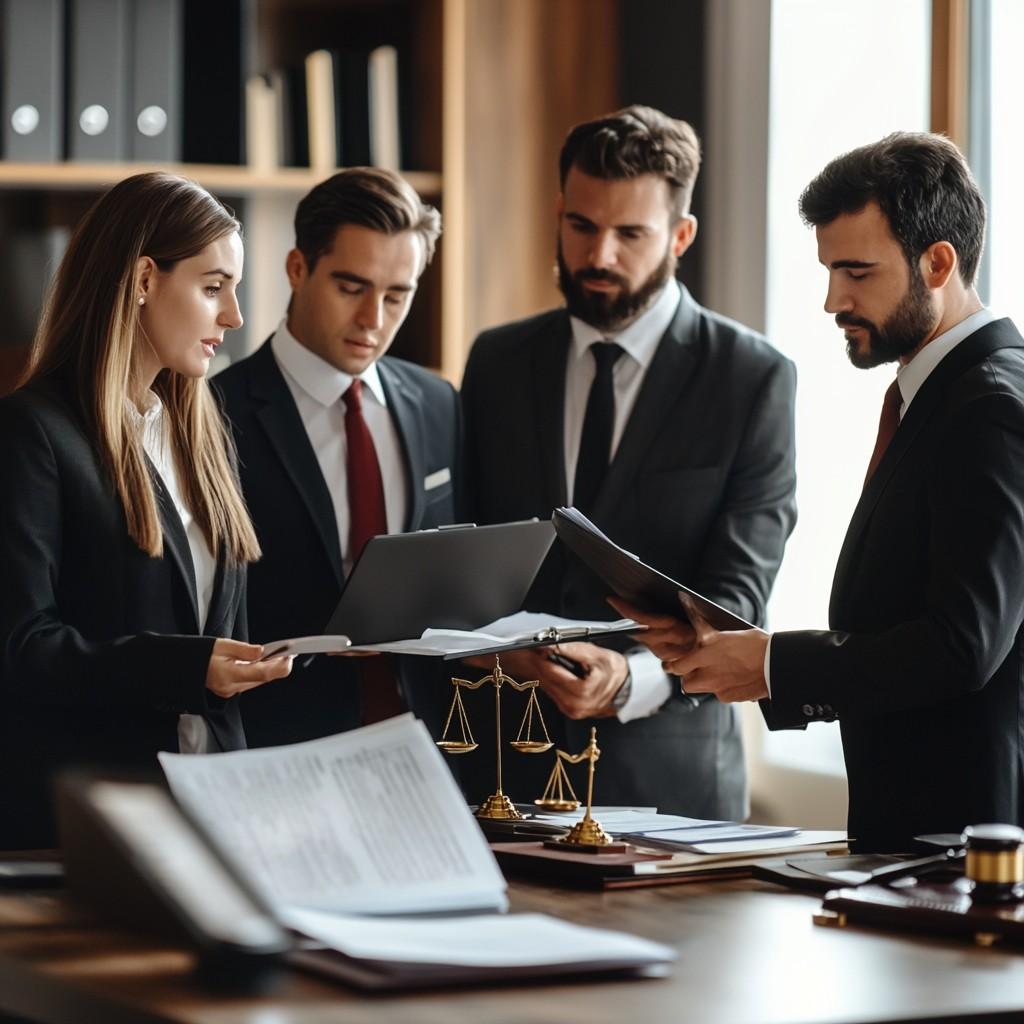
[452, 577]
[549, 636]
[630, 578]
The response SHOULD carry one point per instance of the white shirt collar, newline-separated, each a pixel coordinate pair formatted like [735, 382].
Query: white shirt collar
[149, 423]
[321, 381]
[640, 339]
[916, 372]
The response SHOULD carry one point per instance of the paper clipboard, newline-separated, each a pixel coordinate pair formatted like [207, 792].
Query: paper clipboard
[549, 637]
[630, 578]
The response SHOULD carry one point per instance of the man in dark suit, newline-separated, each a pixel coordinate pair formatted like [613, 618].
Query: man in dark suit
[925, 657]
[339, 442]
[669, 426]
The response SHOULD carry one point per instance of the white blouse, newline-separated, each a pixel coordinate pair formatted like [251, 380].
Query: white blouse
[193, 732]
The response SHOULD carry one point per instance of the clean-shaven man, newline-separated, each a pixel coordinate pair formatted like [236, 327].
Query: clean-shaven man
[924, 661]
[669, 426]
[339, 442]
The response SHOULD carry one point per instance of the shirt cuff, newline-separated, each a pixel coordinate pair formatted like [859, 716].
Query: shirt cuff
[768, 665]
[650, 686]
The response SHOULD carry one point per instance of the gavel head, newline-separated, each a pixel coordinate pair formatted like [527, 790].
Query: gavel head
[995, 862]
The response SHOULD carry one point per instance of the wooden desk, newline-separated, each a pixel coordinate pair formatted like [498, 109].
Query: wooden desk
[747, 953]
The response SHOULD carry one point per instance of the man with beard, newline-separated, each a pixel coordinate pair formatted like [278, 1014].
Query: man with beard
[924, 661]
[670, 427]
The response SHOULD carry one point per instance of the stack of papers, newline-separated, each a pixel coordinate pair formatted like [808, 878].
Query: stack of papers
[413, 953]
[371, 822]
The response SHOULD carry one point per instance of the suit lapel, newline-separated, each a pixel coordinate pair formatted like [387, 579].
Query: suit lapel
[405, 404]
[176, 543]
[988, 339]
[550, 354]
[283, 426]
[667, 376]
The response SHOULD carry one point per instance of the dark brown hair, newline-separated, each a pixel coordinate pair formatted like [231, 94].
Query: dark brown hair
[368, 196]
[634, 141]
[921, 183]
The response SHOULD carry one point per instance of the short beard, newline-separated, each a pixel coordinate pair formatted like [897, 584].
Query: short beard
[602, 311]
[903, 331]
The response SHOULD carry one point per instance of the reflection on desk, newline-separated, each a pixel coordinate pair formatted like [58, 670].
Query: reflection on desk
[747, 952]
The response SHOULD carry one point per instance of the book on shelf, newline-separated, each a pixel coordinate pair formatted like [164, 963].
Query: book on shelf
[32, 79]
[156, 31]
[98, 75]
[385, 111]
[262, 138]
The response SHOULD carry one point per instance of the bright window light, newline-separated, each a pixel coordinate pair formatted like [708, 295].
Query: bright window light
[842, 75]
[1006, 200]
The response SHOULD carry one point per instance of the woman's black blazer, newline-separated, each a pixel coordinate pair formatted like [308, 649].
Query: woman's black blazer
[100, 644]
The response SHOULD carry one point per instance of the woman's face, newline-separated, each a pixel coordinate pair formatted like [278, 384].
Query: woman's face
[188, 309]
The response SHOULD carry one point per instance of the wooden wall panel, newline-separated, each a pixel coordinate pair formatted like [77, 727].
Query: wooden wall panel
[533, 68]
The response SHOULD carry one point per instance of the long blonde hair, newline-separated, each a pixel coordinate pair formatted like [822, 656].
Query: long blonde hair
[87, 337]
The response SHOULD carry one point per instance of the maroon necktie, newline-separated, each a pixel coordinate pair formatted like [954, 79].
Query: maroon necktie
[887, 424]
[367, 513]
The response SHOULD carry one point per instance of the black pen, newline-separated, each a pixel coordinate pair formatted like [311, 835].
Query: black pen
[578, 670]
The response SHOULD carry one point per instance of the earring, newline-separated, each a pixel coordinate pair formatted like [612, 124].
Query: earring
[142, 300]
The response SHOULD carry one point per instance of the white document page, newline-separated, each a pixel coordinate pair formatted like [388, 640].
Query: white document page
[522, 627]
[513, 940]
[368, 821]
[624, 821]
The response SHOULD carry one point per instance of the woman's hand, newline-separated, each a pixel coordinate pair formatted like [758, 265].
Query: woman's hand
[235, 667]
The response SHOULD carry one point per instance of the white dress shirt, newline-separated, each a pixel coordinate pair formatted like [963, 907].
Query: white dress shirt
[910, 379]
[650, 687]
[317, 388]
[193, 732]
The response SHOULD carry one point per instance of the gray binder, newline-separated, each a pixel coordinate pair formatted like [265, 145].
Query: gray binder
[154, 109]
[98, 80]
[33, 79]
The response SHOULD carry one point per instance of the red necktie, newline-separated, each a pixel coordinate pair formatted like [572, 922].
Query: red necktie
[887, 424]
[367, 517]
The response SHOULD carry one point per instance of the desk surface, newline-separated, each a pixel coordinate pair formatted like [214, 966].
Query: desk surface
[748, 952]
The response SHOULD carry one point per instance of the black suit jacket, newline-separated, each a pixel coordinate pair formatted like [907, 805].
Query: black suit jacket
[295, 587]
[701, 487]
[924, 663]
[101, 647]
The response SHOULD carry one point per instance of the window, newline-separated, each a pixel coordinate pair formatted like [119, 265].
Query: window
[998, 77]
[841, 75]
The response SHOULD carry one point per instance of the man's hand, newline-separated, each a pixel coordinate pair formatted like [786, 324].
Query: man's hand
[728, 665]
[235, 667]
[589, 697]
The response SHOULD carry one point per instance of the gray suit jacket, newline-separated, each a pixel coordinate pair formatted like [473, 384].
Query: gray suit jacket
[701, 487]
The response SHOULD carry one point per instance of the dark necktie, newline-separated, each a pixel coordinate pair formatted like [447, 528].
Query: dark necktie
[888, 422]
[598, 423]
[378, 690]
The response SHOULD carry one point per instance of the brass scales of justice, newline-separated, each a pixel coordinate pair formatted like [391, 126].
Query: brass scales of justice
[587, 834]
[497, 806]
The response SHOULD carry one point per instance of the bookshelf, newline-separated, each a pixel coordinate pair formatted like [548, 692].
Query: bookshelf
[492, 86]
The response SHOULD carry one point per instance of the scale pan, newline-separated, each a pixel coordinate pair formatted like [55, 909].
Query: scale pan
[456, 746]
[558, 805]
[531, 746]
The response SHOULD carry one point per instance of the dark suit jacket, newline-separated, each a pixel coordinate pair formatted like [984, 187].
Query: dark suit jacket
[295, 587]
[924, 663]
[100, 643]
[701, 487]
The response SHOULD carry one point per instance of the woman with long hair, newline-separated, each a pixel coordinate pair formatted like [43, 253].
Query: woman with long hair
[123, 534]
